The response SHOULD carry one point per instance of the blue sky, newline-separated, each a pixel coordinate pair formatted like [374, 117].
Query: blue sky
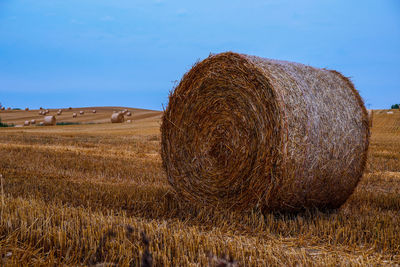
[57, 53]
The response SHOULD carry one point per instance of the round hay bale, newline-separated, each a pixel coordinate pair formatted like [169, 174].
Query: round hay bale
[59, 112]
[26, 109]
[74, 115]
[243, 131]
[94, 111]
[47, 111]
[40, 108]
[81, 112]
[33, 121]
[117, 118]
[49, 120]
[27, 123]
[3, 108]
[41, 123]
[8, 108]
[70, 108]
[129, 121]
[128, 114]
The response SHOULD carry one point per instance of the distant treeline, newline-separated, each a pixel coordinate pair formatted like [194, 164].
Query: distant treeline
[395, 106]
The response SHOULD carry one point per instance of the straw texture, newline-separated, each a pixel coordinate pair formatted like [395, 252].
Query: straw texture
[243, 132]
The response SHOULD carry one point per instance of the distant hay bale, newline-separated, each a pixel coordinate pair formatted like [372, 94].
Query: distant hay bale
[33, 121]
[94, 111]
[59, 112]
[117, 118]
[26, 109]
[3, 108]
[389, 112]
[129, 121]
[128, 114]
[242, 132]
[81, 112]
[74, 115]
[40, 113]
[27, 123]
[40, 108]
[8, 108]
[41, 123]
[49, 120]
[70, 108]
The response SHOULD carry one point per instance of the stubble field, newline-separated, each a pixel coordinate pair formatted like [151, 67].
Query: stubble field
[96, 194]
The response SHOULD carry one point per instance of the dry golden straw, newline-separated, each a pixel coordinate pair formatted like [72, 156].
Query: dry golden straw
[117, 118]
[243, 132]
[49, 120]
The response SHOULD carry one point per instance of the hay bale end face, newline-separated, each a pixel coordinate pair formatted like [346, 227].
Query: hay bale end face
[128, 114]
[242, 132]
[117, 118]
[49, 120]
[74, 115]
[94, 111]
[33, 121]
[81, 112]
[27, 123]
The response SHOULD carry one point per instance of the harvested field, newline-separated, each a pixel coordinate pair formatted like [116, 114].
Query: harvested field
[96, 193]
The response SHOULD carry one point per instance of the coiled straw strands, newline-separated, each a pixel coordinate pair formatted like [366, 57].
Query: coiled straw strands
[242, 132]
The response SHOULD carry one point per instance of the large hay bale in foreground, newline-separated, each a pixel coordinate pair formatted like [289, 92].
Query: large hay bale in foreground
[243, 132]
[117, 118]
[49, 120]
